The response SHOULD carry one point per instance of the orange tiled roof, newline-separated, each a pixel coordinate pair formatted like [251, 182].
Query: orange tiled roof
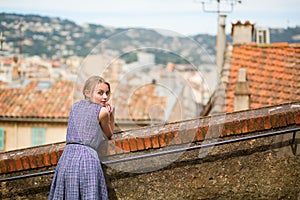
[273, 74]
[3, 84]
[29, 102]
[146, 104]
[141, 103]
[55, 102]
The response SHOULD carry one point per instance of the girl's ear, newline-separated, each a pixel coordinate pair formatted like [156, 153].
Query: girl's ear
[87, 94]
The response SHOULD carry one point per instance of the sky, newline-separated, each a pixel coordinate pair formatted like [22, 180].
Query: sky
[186, 17]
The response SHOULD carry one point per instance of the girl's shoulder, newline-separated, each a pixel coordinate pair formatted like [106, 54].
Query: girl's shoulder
[103, 111]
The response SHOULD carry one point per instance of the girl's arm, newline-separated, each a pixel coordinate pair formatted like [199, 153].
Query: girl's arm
[107, 122]
[111, 111]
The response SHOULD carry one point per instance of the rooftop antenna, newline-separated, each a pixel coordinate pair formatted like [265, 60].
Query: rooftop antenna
[214, 6]
[220, 7]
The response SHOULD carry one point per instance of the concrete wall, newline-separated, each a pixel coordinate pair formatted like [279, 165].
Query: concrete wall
[256, 169]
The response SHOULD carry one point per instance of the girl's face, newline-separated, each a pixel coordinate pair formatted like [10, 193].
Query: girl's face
[101, 94]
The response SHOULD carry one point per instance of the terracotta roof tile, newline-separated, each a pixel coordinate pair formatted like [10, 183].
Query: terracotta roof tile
[273, 74]
[138, 103]
[55, 102]
[31, 103]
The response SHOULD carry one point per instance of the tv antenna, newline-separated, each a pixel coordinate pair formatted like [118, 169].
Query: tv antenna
[221, 7]
[214, 6]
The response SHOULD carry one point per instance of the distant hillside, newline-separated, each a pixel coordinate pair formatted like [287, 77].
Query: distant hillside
[56, 38]
[290, 35]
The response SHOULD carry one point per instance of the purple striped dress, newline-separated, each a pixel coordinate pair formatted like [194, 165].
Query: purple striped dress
[78, 173]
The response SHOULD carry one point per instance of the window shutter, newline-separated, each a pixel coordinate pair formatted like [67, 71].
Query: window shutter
[38, 136]
[2, 138]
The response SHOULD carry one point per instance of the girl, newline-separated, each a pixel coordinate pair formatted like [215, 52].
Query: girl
[79, 172]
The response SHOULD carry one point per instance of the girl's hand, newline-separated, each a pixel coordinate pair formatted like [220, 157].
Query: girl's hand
[109, 108]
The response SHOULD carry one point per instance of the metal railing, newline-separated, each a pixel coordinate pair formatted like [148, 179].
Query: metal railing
[217, 143]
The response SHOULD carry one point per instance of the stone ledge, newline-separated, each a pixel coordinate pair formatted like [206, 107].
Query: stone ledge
[155, 137]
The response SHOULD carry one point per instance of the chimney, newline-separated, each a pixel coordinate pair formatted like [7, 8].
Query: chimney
[242, 92]
[221, 41]
[262, 36]
[242, 33]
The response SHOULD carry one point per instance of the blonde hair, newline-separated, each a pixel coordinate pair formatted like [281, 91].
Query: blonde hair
[90, 84]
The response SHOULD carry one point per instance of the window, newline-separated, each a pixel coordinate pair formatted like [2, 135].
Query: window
[38, 136]
[1, 138]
